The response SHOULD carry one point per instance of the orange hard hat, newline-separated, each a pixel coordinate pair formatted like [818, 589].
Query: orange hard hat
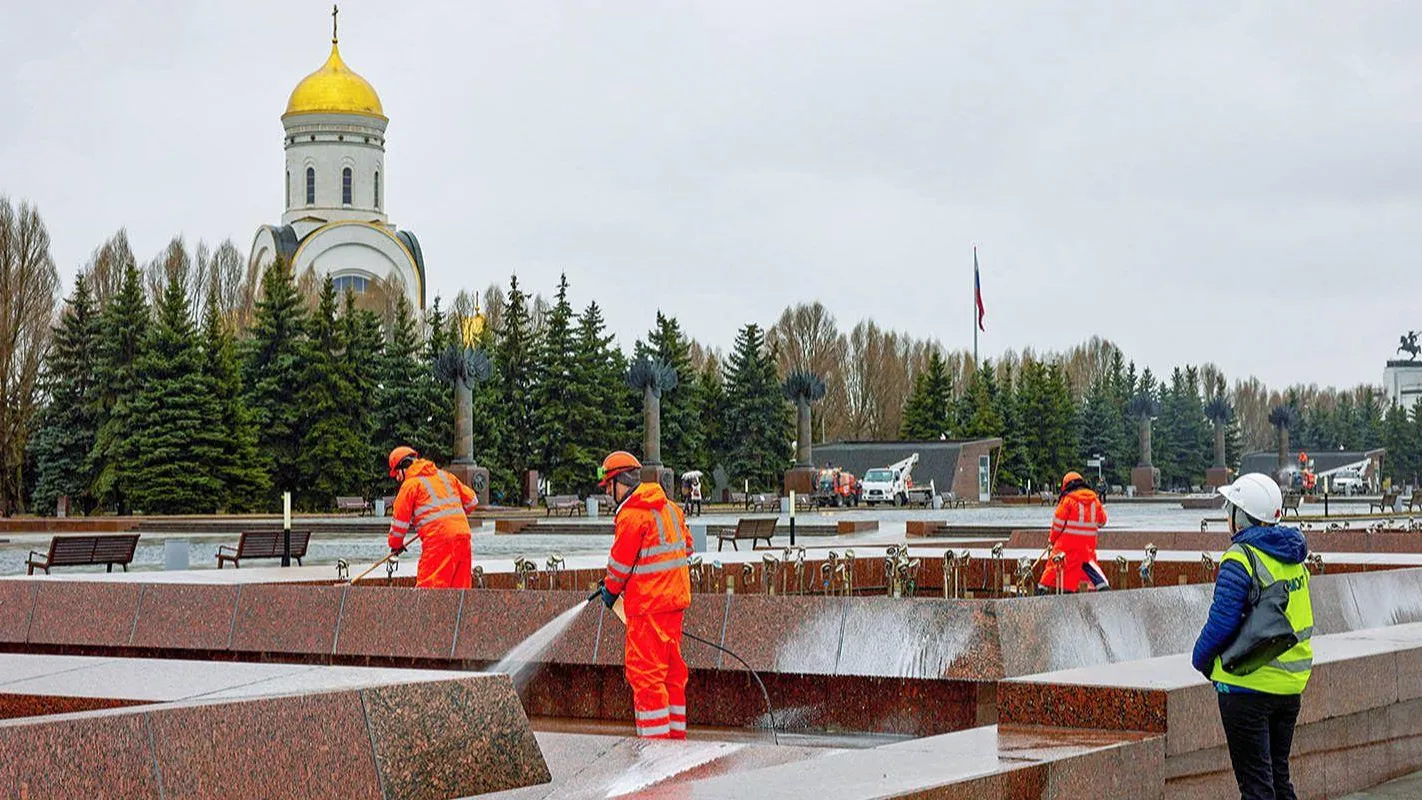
[1069, 477]
[398, 457]
[616, 463]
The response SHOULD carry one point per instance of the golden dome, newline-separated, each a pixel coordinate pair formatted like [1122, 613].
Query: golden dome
[334, 89]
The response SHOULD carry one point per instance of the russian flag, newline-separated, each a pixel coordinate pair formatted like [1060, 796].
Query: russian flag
[978, 289]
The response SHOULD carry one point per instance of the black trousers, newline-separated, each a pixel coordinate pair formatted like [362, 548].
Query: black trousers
[1260, 732]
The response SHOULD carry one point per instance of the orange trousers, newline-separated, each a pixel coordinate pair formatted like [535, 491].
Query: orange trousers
[657, 674]
[446, 562]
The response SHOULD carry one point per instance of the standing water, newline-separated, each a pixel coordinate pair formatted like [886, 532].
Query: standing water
[519, 660]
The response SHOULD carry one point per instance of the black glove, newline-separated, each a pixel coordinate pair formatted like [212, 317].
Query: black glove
[608, 598]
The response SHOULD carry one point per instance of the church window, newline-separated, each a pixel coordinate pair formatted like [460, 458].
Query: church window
[310, 186]
[346, 186]
[377, 191]
[354, 283]
[288, 188]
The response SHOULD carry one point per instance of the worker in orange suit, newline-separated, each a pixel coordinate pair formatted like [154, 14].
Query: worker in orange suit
[648, 570]
[435, 506]
[1079, 517]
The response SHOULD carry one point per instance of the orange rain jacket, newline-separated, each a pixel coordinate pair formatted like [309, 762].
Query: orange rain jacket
[1079, 517]
[435, 505]
[648, 564]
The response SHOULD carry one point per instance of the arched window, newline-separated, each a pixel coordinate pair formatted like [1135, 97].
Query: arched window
[346, 186]
[288, 188]
[310, 186]
[377, 190]
[354, 283]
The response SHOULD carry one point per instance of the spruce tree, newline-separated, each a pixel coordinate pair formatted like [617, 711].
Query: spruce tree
[982, 417]
[124, 325]
[605, 424]
[433, 402]
[363, 350]
[273, 369]
[178, 431]
[239, 468]
[758, 422]
[405, 393]
[711, 389]
[514, 379]
[682, 437]
[70, 424]
[331, 447]
[1014, 461]
[927, 410]
[1102, 428]
[559, 398]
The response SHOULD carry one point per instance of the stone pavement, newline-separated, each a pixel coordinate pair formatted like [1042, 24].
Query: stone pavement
[1405, 788]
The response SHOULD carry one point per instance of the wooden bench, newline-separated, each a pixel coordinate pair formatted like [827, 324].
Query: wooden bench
[262, 544]
[74, 551]
[1291, 503]
[951, 500]
[1415, 499]
[563, 502]
[739, 499]
[1388, 501]
[352, 504]
[752, 529]
[604, 503]
[765, 502]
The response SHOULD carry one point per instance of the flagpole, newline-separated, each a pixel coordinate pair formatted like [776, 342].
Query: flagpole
[974, 315]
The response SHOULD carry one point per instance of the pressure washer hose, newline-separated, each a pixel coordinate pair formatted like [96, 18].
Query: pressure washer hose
[768, 709]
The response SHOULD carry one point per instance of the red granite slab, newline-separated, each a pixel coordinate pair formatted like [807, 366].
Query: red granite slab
[705, 618]
[17, 600]
[1116, 708]
[176, 616]
[14, 706]
[85, 613]
[452, 738]
[920, 638]
[98, 756]
[493, 622]
[314, 747]
[856, 525]
[923, 527]
[398, 623]
[1131, 770]
[272, 618]
[785, 634]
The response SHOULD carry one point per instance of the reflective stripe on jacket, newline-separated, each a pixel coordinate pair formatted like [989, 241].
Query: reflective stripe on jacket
[432, 502]
[1289, 673]
[648, 564]
[1078, 519]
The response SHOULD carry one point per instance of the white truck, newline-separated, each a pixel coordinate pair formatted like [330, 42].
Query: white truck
[894, 484]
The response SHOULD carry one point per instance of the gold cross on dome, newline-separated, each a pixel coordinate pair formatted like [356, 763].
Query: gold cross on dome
[334, 11]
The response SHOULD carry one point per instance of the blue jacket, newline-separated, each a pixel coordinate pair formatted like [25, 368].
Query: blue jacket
[1232, 590]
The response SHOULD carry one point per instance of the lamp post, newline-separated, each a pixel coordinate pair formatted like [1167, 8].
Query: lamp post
[286, 529]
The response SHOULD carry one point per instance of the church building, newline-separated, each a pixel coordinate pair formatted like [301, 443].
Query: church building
[335, 180]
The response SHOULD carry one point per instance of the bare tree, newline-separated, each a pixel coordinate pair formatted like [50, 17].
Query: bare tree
[172, 264]
[807, 338]
[107, 265]
[29, 284]
[878, 378]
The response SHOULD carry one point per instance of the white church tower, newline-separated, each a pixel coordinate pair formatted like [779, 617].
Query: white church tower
[335, 221]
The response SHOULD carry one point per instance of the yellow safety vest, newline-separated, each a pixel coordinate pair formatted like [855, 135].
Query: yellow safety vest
[1287, 674]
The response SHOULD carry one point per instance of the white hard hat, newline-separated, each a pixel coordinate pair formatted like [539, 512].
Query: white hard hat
[1257, 495]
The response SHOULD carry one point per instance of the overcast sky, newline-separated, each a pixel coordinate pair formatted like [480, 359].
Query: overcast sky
[1235, 182]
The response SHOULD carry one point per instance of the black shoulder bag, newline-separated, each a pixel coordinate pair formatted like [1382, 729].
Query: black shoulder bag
[1266, 632]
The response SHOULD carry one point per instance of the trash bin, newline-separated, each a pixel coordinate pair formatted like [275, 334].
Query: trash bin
[698, 537]
[937, 501]
[592, 507]
[175, 554]
[379, 506]
[785, 505]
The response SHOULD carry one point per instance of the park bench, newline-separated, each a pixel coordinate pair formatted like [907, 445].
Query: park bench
[1415, 499]
[352, 504]
[561, 503]
[739, 499]
[765, 502]
[752, 529]
[262, 544]
[951, 500]
[804, 502]
[1291, 503]
[75, 551]
[1386, 503]
[604, 503]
